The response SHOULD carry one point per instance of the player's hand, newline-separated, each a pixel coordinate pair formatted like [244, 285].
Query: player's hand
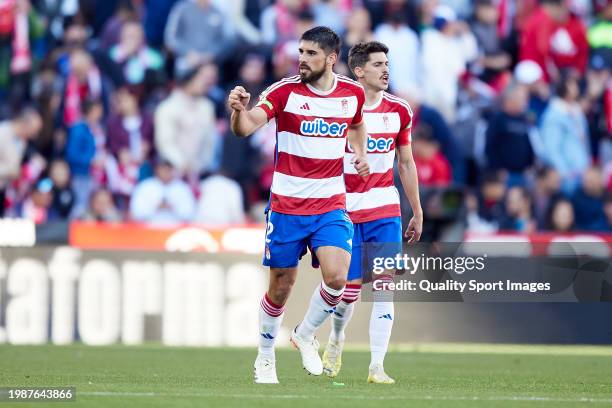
[238, 99]
[361, 165]
[415, 228]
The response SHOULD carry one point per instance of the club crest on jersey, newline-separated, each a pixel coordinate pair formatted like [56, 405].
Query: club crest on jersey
[319, 127]
[344, 104]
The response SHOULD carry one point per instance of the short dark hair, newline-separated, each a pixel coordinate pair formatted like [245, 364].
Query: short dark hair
[325, 37]
[359, 53]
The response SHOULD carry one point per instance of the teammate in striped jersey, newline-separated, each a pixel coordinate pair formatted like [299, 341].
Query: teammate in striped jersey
[315, 113]
[373, 202]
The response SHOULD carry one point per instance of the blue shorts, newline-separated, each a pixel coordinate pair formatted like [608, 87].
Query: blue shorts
[288, 236]
[385, 231]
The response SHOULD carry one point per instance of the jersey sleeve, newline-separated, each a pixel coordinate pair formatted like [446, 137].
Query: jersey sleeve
[404, 136]
[273, 99]
[358, 118]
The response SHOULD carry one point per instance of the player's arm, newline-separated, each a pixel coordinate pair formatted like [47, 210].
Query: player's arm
[357, 138]
[410, 183]
[244, 122]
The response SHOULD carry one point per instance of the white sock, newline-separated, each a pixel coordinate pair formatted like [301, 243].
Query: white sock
[381, 323]
[322, 304]
[344, 312]
[270, 319]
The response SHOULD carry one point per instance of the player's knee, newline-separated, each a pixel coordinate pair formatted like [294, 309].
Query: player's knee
[336, 281]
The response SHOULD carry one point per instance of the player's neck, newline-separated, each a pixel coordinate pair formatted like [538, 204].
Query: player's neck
[325, 83]
[373, 96]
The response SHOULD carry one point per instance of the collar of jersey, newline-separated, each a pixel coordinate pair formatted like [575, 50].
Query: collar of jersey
[324, 93]
[375, 104]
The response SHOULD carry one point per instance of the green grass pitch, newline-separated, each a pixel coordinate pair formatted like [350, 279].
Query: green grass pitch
[427, 376]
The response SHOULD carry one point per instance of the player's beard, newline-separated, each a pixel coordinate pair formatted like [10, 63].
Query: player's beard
[310, 76]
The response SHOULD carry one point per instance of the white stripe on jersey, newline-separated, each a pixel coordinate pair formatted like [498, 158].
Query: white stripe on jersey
[379, 163]
[321, 107]
[392, 98]
[311, 147]
[299, 187]
[285, 81]
[375, 197]
[375, 122]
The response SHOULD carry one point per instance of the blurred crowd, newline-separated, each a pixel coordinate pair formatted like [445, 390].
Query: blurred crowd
[114, 110]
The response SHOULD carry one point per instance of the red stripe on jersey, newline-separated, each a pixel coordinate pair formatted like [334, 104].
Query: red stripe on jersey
[306, 206]
[357, 184]
[308, 168]
[371, 214]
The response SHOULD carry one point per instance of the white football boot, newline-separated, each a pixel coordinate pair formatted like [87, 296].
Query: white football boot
[310, 353]
[265, 371]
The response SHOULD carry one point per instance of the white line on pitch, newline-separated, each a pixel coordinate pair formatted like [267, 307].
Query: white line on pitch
[356, 397]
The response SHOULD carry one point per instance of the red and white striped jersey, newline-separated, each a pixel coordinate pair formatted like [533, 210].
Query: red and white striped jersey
[388, 124]
[311, 130]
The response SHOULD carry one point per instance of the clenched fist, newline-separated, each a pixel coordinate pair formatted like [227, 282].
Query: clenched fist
[238, 99]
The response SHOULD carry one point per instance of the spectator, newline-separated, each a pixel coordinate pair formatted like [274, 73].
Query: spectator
[84, 82]
[63, 196]
[197, 27]
[492, 192]
[129, 128]
[102, 208]
[163, 199]
[597, 106]
[14, 136]
[185, 131]
[432, 167]
[508, 146]
[278, 21]
[530, 74]
[555, 39]
[252, 76]
[220, 201]
[561, 216]
[588, 202]
[134, 56]
[403, 54]
[85, 154]
[359, 29]
[330, 13]
[493, 59]
[450, 41]
[111, 33]
[564, 135]
[75, 38]
[547, 189]
[429, 116]
[518, 215]
[155, 19]
[600, 33]
[47, 95]
[285, 54]
[36, 206]
[21, 29]
[235, 11]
